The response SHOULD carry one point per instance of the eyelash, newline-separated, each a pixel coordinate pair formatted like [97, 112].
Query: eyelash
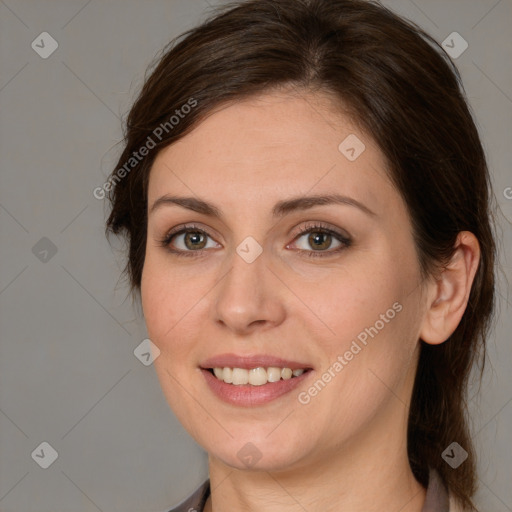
[310, 227]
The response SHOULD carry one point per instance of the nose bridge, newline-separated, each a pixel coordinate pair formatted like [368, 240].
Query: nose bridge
[245, 295]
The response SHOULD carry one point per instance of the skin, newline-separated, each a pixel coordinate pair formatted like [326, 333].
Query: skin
[346, 448]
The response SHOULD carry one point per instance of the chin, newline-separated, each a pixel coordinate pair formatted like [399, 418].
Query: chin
[259, 453]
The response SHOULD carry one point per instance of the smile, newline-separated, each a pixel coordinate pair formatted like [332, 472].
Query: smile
[255, 376]
[245, 380]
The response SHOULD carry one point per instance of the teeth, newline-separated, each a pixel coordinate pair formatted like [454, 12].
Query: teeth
[240, 376]
[273, 374]
[226, 375]
[255, 376]
[286, 373]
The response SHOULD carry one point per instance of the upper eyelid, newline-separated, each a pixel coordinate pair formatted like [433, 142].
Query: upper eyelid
[185, 228]
[311, 225]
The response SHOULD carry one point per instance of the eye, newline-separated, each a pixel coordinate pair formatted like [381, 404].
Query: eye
[188, 241]
[192, 241]
[320, 238]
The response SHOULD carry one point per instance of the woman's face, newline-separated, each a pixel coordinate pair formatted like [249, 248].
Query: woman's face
[264, 285]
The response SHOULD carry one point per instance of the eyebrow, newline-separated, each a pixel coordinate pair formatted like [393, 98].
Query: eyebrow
[280, 209]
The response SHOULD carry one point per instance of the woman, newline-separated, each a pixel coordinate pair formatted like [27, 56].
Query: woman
[305, 197]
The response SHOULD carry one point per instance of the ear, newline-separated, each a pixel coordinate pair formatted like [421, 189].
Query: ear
[448, 294]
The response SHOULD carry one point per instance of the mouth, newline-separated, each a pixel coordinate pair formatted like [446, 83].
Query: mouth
[248, 381]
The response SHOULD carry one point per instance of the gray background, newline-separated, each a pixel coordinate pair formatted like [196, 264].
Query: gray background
[68, 374]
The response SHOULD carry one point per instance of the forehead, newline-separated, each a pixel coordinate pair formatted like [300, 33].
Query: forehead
[271, 146]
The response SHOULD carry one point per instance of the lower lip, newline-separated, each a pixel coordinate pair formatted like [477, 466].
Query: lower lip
[247, 395]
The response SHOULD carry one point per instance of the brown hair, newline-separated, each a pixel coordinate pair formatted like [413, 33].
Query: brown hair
[404, 91]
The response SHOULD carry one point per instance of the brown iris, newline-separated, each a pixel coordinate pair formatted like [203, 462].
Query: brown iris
[194, 238]
[315, 237]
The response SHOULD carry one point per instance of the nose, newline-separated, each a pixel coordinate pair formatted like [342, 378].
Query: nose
[249, 297]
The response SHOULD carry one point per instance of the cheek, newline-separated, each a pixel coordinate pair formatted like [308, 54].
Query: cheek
[172, 300]
[155, 302]
[367, 366]
[373, 313]
[167, 302]
[163, 296]
[162, 311]
[361, 301]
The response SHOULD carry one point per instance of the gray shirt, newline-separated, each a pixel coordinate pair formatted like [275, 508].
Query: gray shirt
[436, 500]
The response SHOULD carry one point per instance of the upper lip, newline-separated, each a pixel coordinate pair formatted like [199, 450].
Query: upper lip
[248, 362]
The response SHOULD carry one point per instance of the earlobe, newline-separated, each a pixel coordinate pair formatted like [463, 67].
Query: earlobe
[448, 294]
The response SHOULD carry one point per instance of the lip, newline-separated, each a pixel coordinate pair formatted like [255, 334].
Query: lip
[248, 362]
[247, 395]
